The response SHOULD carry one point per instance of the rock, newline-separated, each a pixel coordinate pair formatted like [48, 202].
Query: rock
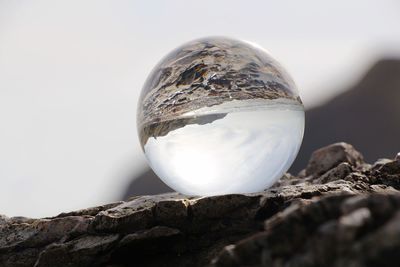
[390, 167]
[339, 212]
[156, 240]
[328, 157]
[336, 173]
[333, 231]
[379, 163]
[88, 250]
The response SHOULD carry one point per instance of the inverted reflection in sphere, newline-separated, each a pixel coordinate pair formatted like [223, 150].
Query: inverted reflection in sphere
[219, 116]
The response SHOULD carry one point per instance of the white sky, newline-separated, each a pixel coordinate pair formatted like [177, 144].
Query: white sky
[71, 73]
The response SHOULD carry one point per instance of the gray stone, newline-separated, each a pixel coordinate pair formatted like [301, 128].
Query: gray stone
[330, 156]
[341, 212]
[333, 231]
[390, 167]
[338, 172]
[84, 251]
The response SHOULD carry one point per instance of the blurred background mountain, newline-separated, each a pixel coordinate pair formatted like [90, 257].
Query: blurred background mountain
[366, 115]
[71, 74]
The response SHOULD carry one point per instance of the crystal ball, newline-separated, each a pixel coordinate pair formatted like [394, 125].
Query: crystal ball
[219, 116]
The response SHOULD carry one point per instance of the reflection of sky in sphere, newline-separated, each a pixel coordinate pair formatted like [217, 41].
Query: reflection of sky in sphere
[244, 152]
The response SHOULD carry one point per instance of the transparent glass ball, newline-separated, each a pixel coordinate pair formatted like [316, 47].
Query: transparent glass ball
[219, 116]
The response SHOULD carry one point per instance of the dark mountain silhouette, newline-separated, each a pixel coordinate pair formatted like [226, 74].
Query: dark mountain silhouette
[367, 116]
[147, 183]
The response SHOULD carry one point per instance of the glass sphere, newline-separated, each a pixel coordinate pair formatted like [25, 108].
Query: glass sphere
[219, 116]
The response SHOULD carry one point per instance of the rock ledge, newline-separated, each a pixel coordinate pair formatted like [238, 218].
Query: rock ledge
[339, 211]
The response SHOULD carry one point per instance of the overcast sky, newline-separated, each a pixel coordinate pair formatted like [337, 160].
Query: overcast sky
[71, 73]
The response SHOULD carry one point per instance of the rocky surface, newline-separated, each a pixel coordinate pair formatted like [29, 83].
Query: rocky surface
[339, 211]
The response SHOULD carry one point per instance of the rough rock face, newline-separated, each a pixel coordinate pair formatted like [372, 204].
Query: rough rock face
[339, 211]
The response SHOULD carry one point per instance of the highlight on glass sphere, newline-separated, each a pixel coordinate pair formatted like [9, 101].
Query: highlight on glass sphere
[219, 116]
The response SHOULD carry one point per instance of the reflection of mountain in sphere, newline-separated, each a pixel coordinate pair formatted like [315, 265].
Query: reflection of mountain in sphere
[219, 116]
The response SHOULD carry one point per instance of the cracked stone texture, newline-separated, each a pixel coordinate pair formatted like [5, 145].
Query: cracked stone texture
[339, 211]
